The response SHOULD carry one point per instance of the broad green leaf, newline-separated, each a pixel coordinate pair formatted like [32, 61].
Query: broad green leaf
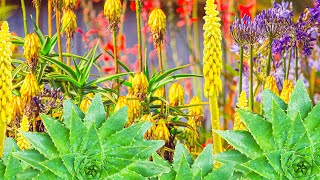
[204, 161]
[68, 107]
[267, 99]
[32, 157]
[77, 131]
[119, 163]
[128, 175]
[233, 156]
[313, 119]
[127, 152]
[296, 131]
[91, 144]
[95, 112]
[262, 167]
[2, 169]
[13, 168]
[299, 101]
[47, 175]
[243, 142]
[183, 170]
[62, 66]
[255, 176]
[58, 133]
[224, 172]
[56, 166]
[10, 146]
[103, 79]
[68, 160]
[114, 123]
[259, 128]
[43, 143]
[274, 159]
[165, 176]
[148, 169]
[28, 174]
[180, 152]
[281, 125]
[152, 146]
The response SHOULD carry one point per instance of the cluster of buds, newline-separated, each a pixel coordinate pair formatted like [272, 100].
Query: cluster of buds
[29, 88]
[176, 94]
[17, 109]
[157, 24]
[159, 93]
[271, 84]
[150, 132]
[196, 111]
[191, 134]
[69, 22]
[162, 132]
[69, 4]
[112, 11]
[32, 50]
[85, 103]
[242, 104]
[134, 107]
[286, 91]
[22, 142]
[140, 85]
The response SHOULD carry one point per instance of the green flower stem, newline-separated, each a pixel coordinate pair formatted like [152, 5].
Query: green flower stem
[296, 63]
[251, 101]
[24, 14]
[215, 124]
[284, 62]
[289, 64]
[114, 37]
[138, 18]
[37, 6]
[68, 44]
[269, 58]
[240, 71]
[58, 17]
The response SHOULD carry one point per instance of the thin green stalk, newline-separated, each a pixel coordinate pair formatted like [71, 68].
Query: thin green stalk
[160, 57]
[296, 63]
[269, 58]
[284, 62]
[251, 101]
[68, 44]
[289, 64]
[50, 18]
[24, 14]
[138, 18]
[172, 26]
[215, 124]
[37, 5]
[196, 29]
[240, 70]
[58, 14]
[114, 37]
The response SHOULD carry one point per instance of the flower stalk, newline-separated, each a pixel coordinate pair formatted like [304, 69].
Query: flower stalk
[24, 14]
[138, 19]
[296, 68]
[50, 18]
[116, 67]
[269, 57]
[240, 71]
[251, 101]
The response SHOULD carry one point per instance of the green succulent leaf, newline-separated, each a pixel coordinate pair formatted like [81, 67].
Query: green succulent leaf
[184, 170]
[262, 167]
[204, 162]
[224, 172]
[68, 108]
[267, 99]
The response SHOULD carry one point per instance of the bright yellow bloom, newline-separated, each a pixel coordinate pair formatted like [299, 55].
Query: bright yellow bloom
[212, 54]
[5, 82]
[69, 4]
[286, 91]
[242, 104]
[86, 102]
[149, 133]
[112, 11]
[29, 88]
[196, 111]
[191, 134]
[32, 49]
[160, 92]
[176, 94]
[134, 108]
[271, 85]
[122, 101]
[17, 107]
[69, 21]
[162, 132]
[157, 24]
[140, 85]
[22, 142]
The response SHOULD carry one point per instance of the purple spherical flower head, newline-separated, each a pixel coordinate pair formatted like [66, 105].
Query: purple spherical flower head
[252, 30]
[315, 12]
[237, 31]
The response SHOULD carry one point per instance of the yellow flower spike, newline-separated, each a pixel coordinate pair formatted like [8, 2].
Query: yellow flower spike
[191, 134]
[32, 49]
[162, 132]
[122, 101]
[17, 108]
[69, 21]
[157, 24]
[86, 102]
[69, 4]
[5, 82]
[286, 91]
[134, 108]
[196, 111]
[176, 94]
[160, 92]
[22, 142]
[140, 85]
[150, 132]
[29, 88]
[242, 104]
[112, 11]
[271, 85]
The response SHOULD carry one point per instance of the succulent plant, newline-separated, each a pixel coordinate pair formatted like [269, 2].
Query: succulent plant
[88, 146]
[184, 167]
[281, 144]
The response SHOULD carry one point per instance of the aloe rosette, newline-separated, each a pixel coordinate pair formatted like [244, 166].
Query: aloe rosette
[88, 146]
[281, 144]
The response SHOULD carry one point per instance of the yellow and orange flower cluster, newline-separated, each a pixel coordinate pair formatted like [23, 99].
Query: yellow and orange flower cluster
[157, 24]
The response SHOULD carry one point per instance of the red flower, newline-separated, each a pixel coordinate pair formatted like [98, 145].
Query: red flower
[245, 9]
[133, 6]
[108, 69]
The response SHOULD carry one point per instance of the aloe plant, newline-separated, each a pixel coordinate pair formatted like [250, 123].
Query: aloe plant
[87, 146]
[184, 167]
[281, 144]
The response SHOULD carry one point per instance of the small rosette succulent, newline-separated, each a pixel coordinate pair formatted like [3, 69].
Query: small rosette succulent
[88, 146]
[281, 144]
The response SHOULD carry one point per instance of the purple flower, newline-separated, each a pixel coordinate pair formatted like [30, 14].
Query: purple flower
[238, 31]
[282, 44]
[315, 12]
[235, 48]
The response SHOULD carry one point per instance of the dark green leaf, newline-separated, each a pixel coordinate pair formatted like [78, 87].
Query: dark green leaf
[13, 168]
[183, 170]
[68, 107]
[77, 131]
[148, 169]
[180, 152]
[57, 167]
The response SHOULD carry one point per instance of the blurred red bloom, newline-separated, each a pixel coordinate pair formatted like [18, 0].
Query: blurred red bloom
[108, 69]
[245, 9]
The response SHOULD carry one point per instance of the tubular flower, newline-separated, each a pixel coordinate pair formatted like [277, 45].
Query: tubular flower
[69, 21]
[112, 11]
[85, 103]
[160, 92]
[5, 82]
[150, 132]
[22, 142]
[32, 49]
[29, 88]
[157, 24]
[17, 108]
[140, 85]
[122, 101]
[196, 111]
[191, 134]
[242, 104]
[134, 108]
[271, 85]
[286, 91]
[176, 94]
[212, 59]
[162, 132]
[69, 4]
